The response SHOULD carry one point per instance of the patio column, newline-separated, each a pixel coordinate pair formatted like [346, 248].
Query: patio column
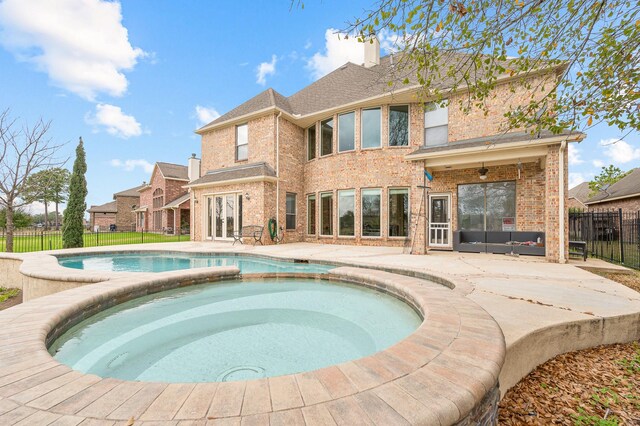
[553, 193]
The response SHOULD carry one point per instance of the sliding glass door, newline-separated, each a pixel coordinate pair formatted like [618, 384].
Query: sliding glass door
[487, 206]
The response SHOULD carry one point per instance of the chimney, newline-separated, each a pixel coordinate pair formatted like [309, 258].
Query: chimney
[193, 168]
[371, 52]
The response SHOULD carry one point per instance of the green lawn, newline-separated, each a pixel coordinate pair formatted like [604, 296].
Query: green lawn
[53, 240]
[611, 251]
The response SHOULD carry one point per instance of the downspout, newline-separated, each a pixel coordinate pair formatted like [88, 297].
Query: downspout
[426, 205]
[278, 168]
[561, 212]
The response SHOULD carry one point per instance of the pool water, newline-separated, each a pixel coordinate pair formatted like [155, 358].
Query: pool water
[161, 262]
[236, 331]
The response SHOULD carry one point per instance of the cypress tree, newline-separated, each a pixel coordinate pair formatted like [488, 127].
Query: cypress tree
[72, 225]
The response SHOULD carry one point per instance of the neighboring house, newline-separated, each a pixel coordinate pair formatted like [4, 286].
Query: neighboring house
[624, 194]
[343, 161]
[103, 216]
[118, 212]
[578, 195]
[164, 201]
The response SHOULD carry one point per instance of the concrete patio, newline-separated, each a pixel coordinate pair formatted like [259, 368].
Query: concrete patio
[543, 309]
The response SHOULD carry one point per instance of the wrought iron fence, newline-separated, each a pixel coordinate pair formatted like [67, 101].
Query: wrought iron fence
[39, 239]
[611, 235]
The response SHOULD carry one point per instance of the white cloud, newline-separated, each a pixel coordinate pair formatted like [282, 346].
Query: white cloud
[574, 155]
[265, 69]
[81, 44]
[598, 163]
[130, 165]
[390, 42]
[206, 115]
[619, 151]
[338, 51]
[115, 121]
[576, 179]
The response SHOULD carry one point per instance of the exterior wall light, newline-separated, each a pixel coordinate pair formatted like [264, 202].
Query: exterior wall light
[482, 172]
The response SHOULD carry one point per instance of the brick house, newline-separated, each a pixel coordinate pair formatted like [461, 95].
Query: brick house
[164, 202]
[578, 195]
[343, 161]
[118, 212]
[624, 194]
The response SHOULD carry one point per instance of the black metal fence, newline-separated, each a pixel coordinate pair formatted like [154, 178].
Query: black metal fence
[39, 239]
[611, 235]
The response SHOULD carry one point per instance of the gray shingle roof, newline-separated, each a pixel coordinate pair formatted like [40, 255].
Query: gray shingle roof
[104, 208]
[347, 84]
[173, 171]
[580, 192]
[490, 140]
[237, 172]
[625, 187]
[131, 192]
[176, 203]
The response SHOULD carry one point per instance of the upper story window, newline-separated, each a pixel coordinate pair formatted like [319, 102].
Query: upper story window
[311, 143]
[158, 198]
[436, 123]
[326, 137]
[242, 142]
[371, 128]
[346, 132]
[399, 125]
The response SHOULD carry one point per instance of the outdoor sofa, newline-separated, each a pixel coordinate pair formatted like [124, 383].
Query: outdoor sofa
[500, 242]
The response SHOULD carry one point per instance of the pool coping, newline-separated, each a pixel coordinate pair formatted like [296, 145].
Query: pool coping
[41, 274]
[440, 374]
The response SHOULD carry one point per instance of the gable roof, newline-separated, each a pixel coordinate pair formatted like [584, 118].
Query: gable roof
[348, 84]
[628, 186]
[580, 192]
[173, 171]
[178, 201]
[109, 207]
[131, 192]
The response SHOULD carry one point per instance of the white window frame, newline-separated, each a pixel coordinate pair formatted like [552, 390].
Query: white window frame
[408, 212]
[362, 128]
[353, 194]
[315, 224]
[408, 126]
[315, 143]
[442, 105]
[354, 132]
[322, 195]
[238, 145]
[295, 211]
[333, 133]
[362, 193]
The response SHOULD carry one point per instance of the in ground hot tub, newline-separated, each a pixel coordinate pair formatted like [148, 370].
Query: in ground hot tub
[236, 330]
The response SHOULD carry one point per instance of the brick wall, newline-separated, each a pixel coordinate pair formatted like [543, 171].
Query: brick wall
[506, 97]
[626, 204]
[382, 168]
[125, 217]
[146, 200]
[552, 202]
[219, 145]
[103, 220]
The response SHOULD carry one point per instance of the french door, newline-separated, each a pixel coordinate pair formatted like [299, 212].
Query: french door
[224, 217]
[440, 220]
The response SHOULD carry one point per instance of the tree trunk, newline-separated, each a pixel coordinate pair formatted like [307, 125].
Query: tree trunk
[10, 227]
[57, 221]
[46, 215]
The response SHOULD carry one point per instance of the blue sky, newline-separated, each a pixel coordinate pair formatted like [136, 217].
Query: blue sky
[135, 79]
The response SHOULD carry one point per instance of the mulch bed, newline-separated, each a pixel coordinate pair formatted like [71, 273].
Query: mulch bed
[12, 301]
[629, 278]
[599, 386]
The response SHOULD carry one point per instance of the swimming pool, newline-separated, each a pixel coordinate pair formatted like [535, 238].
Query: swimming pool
[236, 330]
[161, 262]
